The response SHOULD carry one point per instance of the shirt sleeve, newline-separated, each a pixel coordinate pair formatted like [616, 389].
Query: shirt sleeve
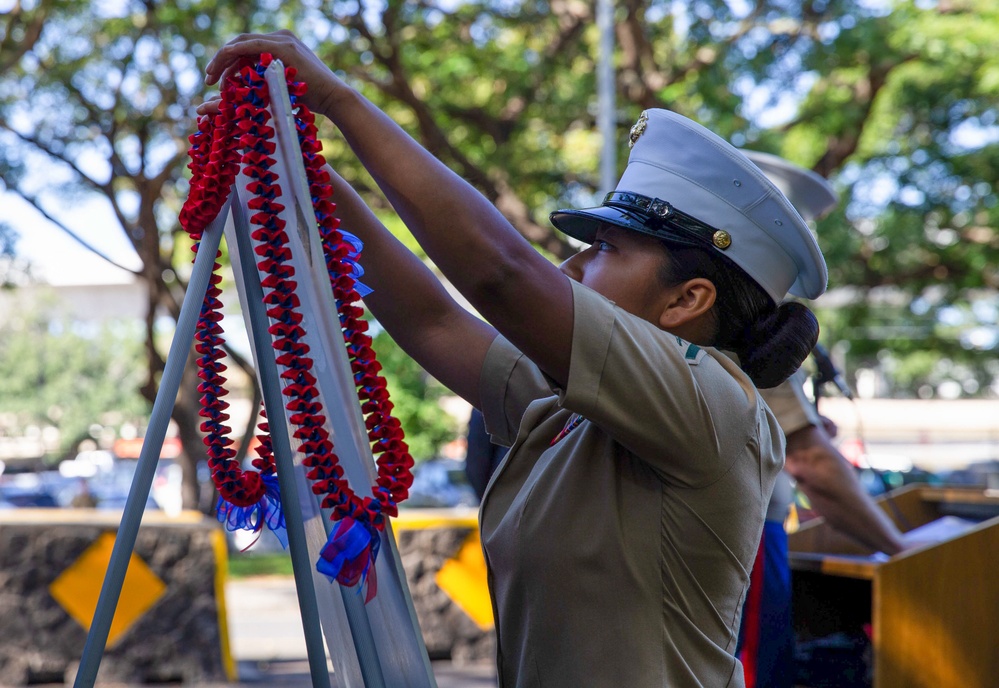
[508, 384]
[687, 411]
[790, 405]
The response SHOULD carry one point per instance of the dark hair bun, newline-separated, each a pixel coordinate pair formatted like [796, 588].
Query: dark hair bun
[775, 345]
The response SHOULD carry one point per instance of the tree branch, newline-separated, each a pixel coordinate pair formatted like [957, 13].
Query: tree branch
[12, 51]
[840, 147]
[89, 181]
[117, 168]
[73, 235]
[572, 18]
[156, 183]
[641, 78]
[435, 140]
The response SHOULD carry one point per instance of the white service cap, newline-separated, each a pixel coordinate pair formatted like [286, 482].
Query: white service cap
[810, 193]
[685, 182]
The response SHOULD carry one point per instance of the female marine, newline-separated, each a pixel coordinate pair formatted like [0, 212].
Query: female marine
[621, 527]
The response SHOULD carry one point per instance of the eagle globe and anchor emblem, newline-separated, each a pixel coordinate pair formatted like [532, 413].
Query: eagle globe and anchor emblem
[638, 129]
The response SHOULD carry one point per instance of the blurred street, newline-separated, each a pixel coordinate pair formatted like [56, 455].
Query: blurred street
[265, 633]
[295, 674]
[268, 644]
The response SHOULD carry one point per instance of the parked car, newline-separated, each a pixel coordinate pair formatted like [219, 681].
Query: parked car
[440, 483]
[29, 490]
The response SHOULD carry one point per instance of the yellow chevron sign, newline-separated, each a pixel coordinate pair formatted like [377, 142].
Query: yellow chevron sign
[464, 579]
[78, 588]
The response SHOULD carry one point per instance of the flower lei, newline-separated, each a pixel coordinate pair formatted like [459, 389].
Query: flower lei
[240, 135]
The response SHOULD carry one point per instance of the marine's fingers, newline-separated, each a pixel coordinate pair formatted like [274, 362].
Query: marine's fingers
[235, 67]
[243, 46]
[210, 106]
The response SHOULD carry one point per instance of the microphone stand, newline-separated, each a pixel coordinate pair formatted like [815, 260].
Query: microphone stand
[825, 373]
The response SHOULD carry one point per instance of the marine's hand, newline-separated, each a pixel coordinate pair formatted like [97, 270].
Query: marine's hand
[324, 86]
[829, 425]
[210, 107]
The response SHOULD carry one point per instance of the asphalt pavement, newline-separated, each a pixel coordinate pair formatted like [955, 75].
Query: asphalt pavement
[268, 644]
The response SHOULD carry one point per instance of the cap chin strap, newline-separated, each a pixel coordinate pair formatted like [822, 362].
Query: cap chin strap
[662, 218]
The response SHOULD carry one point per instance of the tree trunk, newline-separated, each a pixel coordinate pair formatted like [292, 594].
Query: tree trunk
[185, 415]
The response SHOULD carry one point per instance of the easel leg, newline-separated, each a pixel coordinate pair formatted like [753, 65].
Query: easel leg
[270, 385]
[145, 469]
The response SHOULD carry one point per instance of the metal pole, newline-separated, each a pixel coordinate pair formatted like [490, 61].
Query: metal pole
[297, 187]
[145, 469]
[387, 641]
[270, 386]
[605, 96]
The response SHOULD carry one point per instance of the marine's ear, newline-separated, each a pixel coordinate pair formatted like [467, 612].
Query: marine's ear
[687, 306]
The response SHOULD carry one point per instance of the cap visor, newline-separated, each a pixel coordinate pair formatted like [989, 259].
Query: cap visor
[583, 224]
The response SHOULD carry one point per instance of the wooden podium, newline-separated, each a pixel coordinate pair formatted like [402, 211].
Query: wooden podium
[933, 610]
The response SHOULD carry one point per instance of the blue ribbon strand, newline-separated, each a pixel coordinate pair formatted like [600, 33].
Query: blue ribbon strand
[267, 512]
[349, 555]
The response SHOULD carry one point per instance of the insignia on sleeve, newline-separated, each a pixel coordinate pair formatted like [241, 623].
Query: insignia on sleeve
[692, 353]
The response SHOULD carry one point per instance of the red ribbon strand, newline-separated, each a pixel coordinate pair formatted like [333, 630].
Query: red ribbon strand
[240, 135]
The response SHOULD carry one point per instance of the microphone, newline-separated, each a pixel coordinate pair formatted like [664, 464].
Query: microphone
[827, 371]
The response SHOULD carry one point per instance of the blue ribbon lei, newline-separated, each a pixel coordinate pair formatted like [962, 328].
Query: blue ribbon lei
[349, 555]
[267, 512]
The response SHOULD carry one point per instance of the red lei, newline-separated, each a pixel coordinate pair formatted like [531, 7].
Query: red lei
[240, 135]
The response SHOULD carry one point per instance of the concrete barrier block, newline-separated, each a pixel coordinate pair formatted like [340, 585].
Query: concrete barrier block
[455, 614]
[170, 621]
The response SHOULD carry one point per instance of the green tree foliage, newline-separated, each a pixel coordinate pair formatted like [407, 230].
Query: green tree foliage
[498, 91]
[96, 101]
[56, 372]
[417, 399]
[902, 116]
[13, 269]
[893, 100]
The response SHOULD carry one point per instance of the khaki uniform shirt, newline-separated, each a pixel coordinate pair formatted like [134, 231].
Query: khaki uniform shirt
[793, 411]
[620, 556]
